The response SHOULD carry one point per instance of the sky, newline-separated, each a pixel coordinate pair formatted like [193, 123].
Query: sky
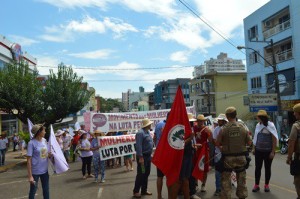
[118, 45]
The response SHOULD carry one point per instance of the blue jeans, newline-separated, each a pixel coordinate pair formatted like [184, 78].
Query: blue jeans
[67, 155]
[45, 185]
[99, 165]
[2, 156]
[217, 157]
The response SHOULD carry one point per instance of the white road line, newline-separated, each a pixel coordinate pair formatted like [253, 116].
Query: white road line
[100, 192]
[6, 183]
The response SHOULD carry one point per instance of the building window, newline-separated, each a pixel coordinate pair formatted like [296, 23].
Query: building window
[252, 33]
[256, 82]
[253, 57]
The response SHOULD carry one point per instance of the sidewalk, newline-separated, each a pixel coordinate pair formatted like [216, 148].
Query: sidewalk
[12, 158]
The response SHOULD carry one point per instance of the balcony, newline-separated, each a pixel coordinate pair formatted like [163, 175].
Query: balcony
[280, 57]
[277, 29]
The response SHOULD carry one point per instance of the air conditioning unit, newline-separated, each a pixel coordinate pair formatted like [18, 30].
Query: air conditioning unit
[267, 24]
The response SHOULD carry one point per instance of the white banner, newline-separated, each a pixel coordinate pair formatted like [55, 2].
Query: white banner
[116, 146]
[115, 122]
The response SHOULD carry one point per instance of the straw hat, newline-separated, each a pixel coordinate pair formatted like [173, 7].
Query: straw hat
[146, 122]
[191, 117]
[36, 128]
[222, 116]
[98, 132]
[296, 108]
[201, 117]
[262, 113]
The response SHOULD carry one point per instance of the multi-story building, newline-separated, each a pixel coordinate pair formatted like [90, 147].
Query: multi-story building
[125, 99]
[10, 51]
[222, 63]
[138, 101]
[277, 21]
[165, 91]
[213, 92]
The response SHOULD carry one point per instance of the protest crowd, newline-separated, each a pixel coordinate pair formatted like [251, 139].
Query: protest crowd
[179, 147]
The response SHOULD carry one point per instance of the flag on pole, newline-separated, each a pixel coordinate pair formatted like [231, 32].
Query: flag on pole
[60, 163]
[71, 131]
[169, 152]
[199, 168]
[30, 125]
[77, 126]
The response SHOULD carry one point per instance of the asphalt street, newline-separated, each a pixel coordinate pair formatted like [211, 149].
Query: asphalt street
[119, 184]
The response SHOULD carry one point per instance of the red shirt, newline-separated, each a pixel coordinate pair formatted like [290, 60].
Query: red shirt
[203, 136]
[75, 139]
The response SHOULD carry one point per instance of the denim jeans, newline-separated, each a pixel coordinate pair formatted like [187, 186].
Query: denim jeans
[45, 185]
[99, 165]
[141, 180]
[217, 158]
[2, 156]
[67, 155]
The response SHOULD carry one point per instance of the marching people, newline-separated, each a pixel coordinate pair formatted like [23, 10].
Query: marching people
[75, 142]
[222, 120]
[203, 135]
[99, 165]
[144, 147]
[233, 139]
[128, 159]
[3, 147]
[37, 161]
[294, 149]
[265, 140]
[160, 176]
[16, 140]
[66, 138]
[58, 138]
[86, 155]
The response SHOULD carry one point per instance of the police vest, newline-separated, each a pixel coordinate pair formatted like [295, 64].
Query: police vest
[297, 145]
[234, 139]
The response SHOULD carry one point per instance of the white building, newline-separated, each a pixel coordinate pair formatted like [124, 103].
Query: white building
[277, 21]
[222, 63]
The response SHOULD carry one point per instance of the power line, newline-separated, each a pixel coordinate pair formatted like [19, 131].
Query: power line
[124, 69]
[205, 22]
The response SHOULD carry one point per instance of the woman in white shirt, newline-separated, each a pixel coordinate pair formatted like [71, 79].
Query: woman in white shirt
[86, 155]
[265, 140]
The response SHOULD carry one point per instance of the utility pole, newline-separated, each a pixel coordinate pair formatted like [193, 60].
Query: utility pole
[277, 90]
[208, 96]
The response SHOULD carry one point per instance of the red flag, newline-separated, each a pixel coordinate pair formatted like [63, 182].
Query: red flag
[199, 168]
[169, 152]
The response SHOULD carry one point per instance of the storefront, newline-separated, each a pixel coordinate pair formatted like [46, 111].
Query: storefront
[288, 117]
[9, 123]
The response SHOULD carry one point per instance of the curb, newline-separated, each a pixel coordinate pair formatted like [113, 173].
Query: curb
[10, 166]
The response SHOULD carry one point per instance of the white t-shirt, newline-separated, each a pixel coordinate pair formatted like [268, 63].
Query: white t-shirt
[215, 135]
[86, 144]
[3, 143]
[66, 142]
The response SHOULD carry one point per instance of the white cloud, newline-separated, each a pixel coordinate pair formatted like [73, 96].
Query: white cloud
[97, 54]
[23, 41]
[180, 56]
[76, 3]
[65, 33]
[45, 63]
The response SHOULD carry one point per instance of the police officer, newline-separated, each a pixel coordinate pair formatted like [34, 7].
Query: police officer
[232, 140]
[294, 145]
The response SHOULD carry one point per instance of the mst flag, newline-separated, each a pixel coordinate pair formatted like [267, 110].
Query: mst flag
[60, 163]
[198, 171]
[169, 152]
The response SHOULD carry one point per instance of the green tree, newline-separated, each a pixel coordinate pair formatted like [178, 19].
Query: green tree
[107, 105]
[20, 90]
[64, 94]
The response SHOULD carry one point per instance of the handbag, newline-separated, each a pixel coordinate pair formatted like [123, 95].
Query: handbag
[295, 167]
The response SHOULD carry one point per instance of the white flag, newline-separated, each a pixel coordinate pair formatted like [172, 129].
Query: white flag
[30, 125]
[77, 126]
[60, 163]
[71, 131]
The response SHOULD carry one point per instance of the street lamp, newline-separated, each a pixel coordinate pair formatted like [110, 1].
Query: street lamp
[274, 71]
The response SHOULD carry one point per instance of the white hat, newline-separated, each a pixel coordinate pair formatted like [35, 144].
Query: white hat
[222, 117]
[59, 133]
[191, 117]
[146, 122]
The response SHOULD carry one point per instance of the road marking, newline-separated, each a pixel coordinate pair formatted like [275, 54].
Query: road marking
[100, 192]
[6, 183]
[277, 186]
[24, 197]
